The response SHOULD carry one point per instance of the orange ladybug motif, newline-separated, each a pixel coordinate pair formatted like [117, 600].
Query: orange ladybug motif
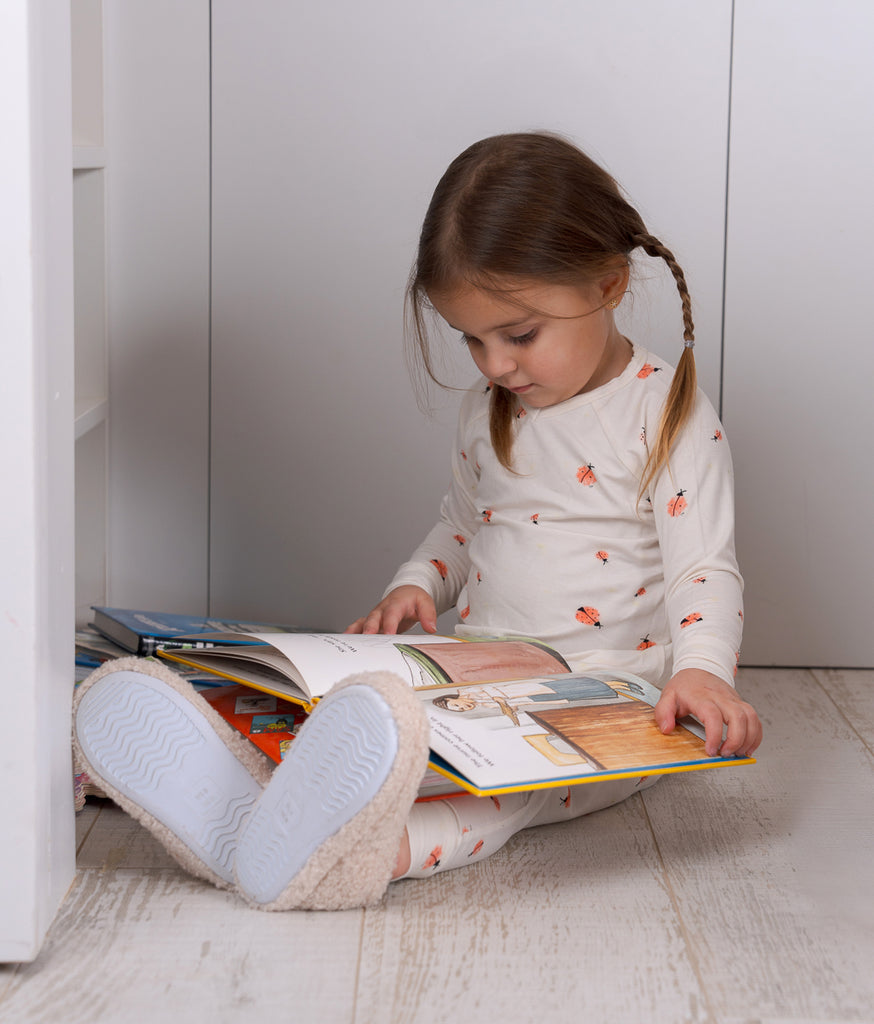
[487, 514]
[476, 849]
[700, 579]
[464, 454]
[461, 540]
[465, 612]
[589, 617]
[677, 505]
[640, 592]
[496, 802]
[602, 556]
[646, 370]
[586, 475]
[479, 577]
[522, 412]
[433, 859]
[645, 642]
[534, 519]
[740, 614]
[565, 801]
[690, 619]
[440, 567]
[717, 436]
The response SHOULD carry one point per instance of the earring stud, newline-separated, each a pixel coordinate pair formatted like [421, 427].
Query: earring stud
[613, 303]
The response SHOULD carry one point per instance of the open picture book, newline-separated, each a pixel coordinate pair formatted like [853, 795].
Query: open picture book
[505, 714]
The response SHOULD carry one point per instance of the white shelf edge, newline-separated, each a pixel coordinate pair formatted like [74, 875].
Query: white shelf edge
[90, 413]
[88, 158]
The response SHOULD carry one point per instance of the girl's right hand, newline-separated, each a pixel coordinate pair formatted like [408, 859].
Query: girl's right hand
[400, 609]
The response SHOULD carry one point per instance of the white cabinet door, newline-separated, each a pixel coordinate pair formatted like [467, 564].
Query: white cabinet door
[157, 113]
[798, 374]
[330, 130]
[36, 467]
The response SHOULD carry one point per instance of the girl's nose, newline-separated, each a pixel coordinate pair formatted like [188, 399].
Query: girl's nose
[499, 362]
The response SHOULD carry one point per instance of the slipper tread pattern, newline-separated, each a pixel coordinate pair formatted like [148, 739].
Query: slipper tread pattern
[335, 769]
[145, 745]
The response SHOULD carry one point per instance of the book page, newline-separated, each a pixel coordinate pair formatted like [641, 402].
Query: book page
[315, 661]
[555, 730]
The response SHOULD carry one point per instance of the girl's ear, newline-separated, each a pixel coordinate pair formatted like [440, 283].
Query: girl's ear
[614, 285]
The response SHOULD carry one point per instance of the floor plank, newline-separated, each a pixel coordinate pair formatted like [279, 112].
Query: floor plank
[534, 932]
[852, 691]
[772, 865]
[117, 841]
[134, 946]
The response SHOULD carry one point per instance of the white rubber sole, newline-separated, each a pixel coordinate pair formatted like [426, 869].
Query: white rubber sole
[334, 769]
[152, 745]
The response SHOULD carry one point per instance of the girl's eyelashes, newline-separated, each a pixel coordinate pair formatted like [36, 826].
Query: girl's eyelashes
[518, 339]
[524, 339]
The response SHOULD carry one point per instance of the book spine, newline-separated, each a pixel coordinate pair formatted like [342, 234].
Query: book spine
[149, 645]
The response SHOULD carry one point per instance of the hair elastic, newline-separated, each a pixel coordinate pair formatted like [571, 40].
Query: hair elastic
[689, 343]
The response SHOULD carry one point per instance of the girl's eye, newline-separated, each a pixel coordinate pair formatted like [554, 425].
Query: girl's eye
[520, 339]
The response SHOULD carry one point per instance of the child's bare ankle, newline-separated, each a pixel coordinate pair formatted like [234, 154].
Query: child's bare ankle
[402, 865]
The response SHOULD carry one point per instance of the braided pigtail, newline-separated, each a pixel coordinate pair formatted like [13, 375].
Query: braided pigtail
[502, 415]
[681, 397]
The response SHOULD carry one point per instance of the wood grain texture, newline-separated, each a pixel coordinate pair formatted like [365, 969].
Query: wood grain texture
[771, 866]
[133, 946]
[851, 691]
[534, 933]
[742, 896]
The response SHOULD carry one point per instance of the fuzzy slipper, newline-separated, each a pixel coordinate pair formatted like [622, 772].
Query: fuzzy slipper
[325, 833]
[153, 745]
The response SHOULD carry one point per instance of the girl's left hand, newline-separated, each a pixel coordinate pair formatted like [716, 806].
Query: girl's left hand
[715, 704]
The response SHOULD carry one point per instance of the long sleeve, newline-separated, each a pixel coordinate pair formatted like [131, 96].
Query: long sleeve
[693, 506]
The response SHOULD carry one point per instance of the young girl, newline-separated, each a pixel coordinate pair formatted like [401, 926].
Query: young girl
[590, 505]
[591, 502]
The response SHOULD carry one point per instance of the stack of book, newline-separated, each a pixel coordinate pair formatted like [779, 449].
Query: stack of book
[268, 721]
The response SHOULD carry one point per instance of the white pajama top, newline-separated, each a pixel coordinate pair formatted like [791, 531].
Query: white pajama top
[562, 549]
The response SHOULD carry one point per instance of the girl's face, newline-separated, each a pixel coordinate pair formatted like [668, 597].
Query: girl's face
[570, 345]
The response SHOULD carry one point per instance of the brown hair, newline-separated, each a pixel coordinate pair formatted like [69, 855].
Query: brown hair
[533, 206]
[443, 701]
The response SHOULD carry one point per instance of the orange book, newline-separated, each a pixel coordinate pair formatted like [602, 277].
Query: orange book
[266, 720]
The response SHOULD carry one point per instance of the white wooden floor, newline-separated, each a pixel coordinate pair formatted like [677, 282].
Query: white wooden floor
[735, 896]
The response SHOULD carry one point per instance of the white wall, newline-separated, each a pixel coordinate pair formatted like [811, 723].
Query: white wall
[157, 130]
[330, 132]
[798, 378]
[330, 129]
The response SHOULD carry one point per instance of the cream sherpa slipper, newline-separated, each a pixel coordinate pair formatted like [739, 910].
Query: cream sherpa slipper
[325, 833]
[147, 738]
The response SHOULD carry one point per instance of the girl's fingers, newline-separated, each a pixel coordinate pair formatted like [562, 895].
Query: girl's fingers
[712, 718]
[744, 733]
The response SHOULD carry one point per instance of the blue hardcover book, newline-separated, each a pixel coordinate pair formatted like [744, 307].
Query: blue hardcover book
[143, 632]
